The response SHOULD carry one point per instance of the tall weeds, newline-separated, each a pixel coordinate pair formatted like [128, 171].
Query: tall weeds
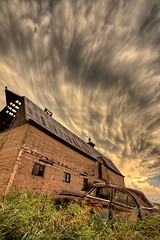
[27, 216]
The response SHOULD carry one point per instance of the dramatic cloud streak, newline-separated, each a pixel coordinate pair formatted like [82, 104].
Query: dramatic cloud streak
[95, 65]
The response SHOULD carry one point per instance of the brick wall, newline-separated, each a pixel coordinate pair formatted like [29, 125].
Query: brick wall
[115, 179]
[38, 145]
[10, 142]
[24, 145]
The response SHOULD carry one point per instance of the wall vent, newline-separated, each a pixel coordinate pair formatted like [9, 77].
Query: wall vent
[48, 112]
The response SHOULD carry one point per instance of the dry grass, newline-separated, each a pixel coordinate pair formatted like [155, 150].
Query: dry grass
[27, 216]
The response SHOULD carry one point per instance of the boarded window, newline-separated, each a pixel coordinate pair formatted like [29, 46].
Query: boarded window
[66, 177]
[38, 170]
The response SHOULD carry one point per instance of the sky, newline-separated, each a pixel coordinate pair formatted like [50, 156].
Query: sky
[95, 66]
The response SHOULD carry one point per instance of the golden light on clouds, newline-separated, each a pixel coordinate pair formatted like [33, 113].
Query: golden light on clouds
[149, 190]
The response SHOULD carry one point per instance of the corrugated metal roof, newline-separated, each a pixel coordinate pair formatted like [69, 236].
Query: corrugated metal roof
[39, 117]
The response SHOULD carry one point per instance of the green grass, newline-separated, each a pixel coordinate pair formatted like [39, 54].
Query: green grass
[27, 216]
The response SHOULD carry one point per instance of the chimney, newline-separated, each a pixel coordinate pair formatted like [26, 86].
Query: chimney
[90, 143]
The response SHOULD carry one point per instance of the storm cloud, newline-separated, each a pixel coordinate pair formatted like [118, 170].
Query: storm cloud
[95, 65]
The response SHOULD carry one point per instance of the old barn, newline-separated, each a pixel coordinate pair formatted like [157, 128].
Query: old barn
[38, 153]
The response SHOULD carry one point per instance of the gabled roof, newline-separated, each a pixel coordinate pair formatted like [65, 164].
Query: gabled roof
[42, 120]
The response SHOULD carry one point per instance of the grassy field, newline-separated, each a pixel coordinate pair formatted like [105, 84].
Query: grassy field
[27, 216]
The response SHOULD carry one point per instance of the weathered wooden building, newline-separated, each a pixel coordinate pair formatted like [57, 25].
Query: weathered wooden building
[39, 153]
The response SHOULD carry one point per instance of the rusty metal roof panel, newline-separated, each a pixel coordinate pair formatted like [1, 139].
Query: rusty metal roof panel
[41, 119]
[110, 164]
[34, 113]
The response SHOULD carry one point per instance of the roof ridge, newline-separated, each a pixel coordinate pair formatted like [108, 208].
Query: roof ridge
[35, 114]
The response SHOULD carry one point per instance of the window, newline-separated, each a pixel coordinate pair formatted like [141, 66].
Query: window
[66, 177]
[123, 198]
[103, 193]
[93, 192]
[38, 170]
[85, 184]
[100, 170]
[100, 192]
[85, 181]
